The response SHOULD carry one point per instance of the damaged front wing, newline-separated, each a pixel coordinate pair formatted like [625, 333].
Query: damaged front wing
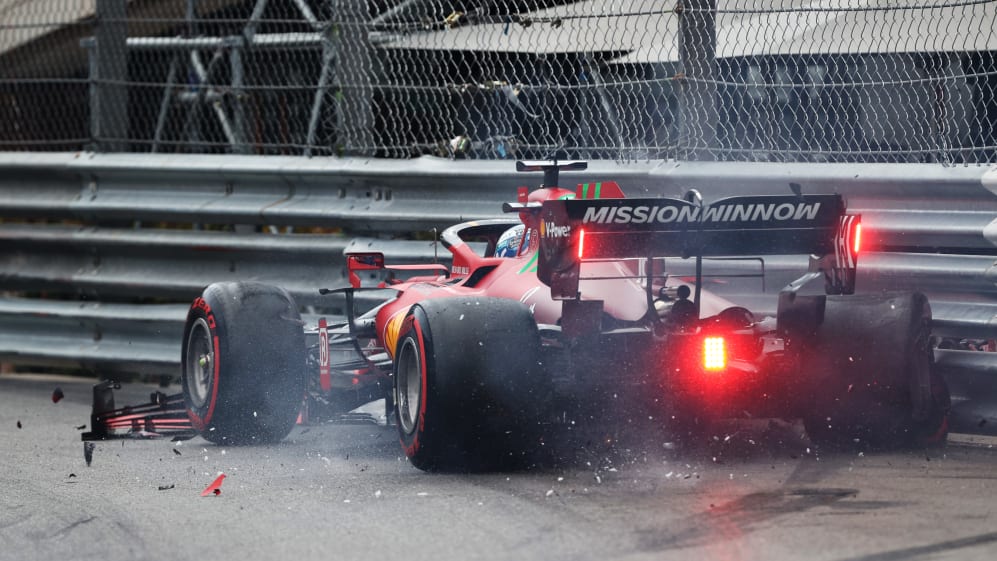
[163, 416]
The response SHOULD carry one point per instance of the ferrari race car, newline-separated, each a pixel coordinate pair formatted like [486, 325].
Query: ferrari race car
[544, 316]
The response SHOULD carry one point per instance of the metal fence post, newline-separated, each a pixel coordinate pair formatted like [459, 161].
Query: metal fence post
[239, 126]
[321, 90]
[354, 107]
[109, 72]
[698, 114]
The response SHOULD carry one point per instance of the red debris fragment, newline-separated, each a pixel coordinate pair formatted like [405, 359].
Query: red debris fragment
[215, 487]
[57, 395]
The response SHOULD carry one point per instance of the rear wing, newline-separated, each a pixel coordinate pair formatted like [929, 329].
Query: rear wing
[573, 231]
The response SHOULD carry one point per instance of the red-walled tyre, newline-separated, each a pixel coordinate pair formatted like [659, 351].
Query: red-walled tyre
[243, 363]
[874, 384]
[467, 381]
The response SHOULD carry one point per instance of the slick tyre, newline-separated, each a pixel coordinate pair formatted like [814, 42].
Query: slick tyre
[243, 363]
[467, 381]
[691, 424]
[872, 368]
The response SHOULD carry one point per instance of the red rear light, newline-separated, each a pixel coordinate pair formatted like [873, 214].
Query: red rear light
[714, 354]
[581, 244]
[857, 238]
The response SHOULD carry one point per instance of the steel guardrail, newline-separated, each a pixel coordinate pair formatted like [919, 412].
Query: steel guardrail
[125, 229]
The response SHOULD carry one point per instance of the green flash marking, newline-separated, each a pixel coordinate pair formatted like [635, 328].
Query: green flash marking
[594, 188]
[531, 265]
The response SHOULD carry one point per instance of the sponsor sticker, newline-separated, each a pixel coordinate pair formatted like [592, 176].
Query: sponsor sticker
[668, 214]
[552, 230]
[391, 331]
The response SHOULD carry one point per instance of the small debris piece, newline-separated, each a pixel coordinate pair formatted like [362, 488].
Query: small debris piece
[19, 424]
[88, 452]
[177, 452]
[81, 427]
[166, 487]
[57, 395]
[215, 487]
[72, 475]
[982, 422]
[142, 435]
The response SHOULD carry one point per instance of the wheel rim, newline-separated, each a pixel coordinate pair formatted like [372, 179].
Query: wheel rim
[200, 366]
[409, 386]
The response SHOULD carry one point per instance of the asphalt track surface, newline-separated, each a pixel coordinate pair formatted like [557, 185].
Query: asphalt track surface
[759, 491]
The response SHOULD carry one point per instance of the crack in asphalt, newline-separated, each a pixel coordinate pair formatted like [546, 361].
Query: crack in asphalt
[70, 528]
[924, 550]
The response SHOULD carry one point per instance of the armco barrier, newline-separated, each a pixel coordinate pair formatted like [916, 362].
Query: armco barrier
[91, 244]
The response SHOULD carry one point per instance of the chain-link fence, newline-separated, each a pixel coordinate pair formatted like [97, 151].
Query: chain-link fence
[775, 80]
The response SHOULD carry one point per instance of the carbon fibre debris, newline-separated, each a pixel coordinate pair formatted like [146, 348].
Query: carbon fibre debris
[215, 488]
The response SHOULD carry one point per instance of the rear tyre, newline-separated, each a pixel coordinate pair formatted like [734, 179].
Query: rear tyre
[243, 363]
[467, 383]
[873, 379]
[691, 423]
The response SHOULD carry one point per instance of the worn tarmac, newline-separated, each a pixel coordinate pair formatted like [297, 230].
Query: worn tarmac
[757, 491]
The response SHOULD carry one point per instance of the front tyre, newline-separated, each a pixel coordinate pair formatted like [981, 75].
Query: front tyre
[243, 363]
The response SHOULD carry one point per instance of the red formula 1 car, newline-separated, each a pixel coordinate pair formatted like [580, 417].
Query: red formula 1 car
[544, 315]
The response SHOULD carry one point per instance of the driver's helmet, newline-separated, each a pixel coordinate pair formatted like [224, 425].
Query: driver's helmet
[509, 241]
